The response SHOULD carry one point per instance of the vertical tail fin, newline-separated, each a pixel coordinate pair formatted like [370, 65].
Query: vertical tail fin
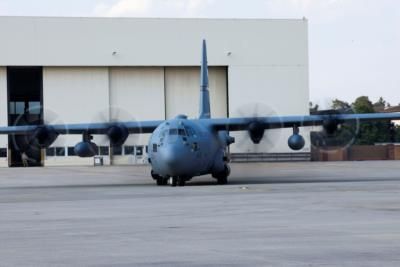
[205, 111]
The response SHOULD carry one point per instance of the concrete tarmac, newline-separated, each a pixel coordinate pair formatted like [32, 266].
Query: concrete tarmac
[271, 214]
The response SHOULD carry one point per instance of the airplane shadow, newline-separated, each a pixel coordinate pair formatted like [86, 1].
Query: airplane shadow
[280, 180]
[212, 182]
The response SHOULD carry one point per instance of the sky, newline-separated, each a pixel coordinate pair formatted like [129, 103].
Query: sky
[354, 45]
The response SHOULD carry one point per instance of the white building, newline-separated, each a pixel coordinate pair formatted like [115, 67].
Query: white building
[148, 69]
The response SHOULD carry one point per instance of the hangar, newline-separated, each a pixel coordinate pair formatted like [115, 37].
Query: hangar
[77, 70]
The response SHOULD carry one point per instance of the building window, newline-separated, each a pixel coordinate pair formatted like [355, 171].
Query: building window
[117, 150]
[71, 151]
[19, 107]
[154, 147]
[60, 151]
[139, 151]
[11, 107]
[147, 149]
[129, 150]
[50, 152]
[3, 152]
[104, 151]
[34, 107]
[16, 108]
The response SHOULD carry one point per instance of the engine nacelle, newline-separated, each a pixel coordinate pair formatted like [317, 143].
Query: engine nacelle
[117, 135]
[296, 142]
[256, 132]
[44, 136]
[225, 138]
[86, 149]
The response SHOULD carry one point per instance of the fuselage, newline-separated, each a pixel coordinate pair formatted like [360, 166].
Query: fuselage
[182, 147]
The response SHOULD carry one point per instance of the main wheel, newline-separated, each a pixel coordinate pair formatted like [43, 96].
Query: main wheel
[222, 178]
[154, 175]
[181, 181]
[174, 181]
[162, 181]
[159, 180]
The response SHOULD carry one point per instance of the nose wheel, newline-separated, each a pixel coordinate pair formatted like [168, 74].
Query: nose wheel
[162, 181]
[177, 181]
[159, 179]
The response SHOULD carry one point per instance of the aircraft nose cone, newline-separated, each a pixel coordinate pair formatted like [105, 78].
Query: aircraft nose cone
[174, 160]
[171, 158]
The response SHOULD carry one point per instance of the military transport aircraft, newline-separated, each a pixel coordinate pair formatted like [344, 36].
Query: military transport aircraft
[182, 148]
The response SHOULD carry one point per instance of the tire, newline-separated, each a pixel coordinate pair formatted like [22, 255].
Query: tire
[160, 181]
[181, 181]
[222, 180]
[154, 175]
[174, 181]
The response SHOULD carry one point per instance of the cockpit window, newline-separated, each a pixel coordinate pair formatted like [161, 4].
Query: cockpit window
[182, 132]
[173, 131]
[179, 131]
[163, 133]
[190, 131]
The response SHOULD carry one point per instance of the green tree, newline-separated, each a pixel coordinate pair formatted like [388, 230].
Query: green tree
[313, 108]
[339, 104]
[363, 105]
[380, 105]
[381, 101]
[365, 133]
[370, 132]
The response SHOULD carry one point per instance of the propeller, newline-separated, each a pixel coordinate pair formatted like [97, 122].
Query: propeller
[43, 136]
[250, 140]
[335, 135]
[116, 134]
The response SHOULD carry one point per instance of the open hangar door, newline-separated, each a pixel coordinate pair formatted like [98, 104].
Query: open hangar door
[3, 116]
[182, 91]
[25, 98]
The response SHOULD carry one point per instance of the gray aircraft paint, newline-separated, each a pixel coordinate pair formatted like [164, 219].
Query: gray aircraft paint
[183, 148]
[205, 111]
[180, 147]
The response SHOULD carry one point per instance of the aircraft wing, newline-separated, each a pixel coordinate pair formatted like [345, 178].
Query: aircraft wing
[90, 128]
[275, 122]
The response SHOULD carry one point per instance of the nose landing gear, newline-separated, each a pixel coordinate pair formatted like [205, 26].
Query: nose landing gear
[222, 177]
[159, 179]
[162, 181]
[178, 181]
[173, 181]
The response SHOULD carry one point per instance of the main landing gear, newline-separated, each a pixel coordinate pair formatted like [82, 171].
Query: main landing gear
[173, 181]
[159, 179]
[178, 181]
[222, 177]
[162, 181]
